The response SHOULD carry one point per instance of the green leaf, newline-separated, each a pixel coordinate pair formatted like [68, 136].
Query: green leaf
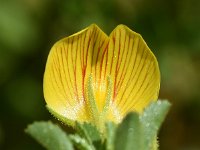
[151, 120]
[110, 135]
[81, 143]
[129, 134]
[49, 135]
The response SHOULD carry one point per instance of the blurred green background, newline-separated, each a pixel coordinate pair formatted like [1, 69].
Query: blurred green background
[28, 29]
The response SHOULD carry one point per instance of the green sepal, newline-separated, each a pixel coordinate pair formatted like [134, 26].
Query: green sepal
[88, 137]
[91, 102]
[88, 131]
[151, 119]
[81, 143]
[110, 135]
[129, 134]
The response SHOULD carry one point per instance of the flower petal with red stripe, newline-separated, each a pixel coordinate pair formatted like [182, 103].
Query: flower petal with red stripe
[123, 57]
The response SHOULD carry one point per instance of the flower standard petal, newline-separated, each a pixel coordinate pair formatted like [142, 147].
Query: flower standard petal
[134, 71]
[70, 62]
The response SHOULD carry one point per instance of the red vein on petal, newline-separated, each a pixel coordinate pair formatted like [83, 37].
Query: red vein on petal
[75, 77]
[81, 49]
[142, 84]
[127, 66]
[84, 67]
[58, 70]
[73, 67]
[94, 37]
[54, 71]
[144, 79]
[88, 46]
[62, 64]
[120, 46]
[134, 77]
[122, 77]
[133, 68]
[81, 59]
[152, 92]
[123, 51]
[66, 58]
[63, 67]
[99, 49]
[68, 69]
[113, 52]
[102, 57]
[116, 67]
[53, 86]
[102, 60]
[106, 49]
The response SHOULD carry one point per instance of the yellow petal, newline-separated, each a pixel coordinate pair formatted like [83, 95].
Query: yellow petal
[70, 63]
[134, 71]
[124, 57]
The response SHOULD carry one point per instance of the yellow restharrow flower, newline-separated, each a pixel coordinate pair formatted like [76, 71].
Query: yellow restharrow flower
[92, 77]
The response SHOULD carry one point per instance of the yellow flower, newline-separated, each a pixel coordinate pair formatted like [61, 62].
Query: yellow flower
[92, 77]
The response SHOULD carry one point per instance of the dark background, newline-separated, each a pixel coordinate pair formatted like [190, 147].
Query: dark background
[28, 29]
